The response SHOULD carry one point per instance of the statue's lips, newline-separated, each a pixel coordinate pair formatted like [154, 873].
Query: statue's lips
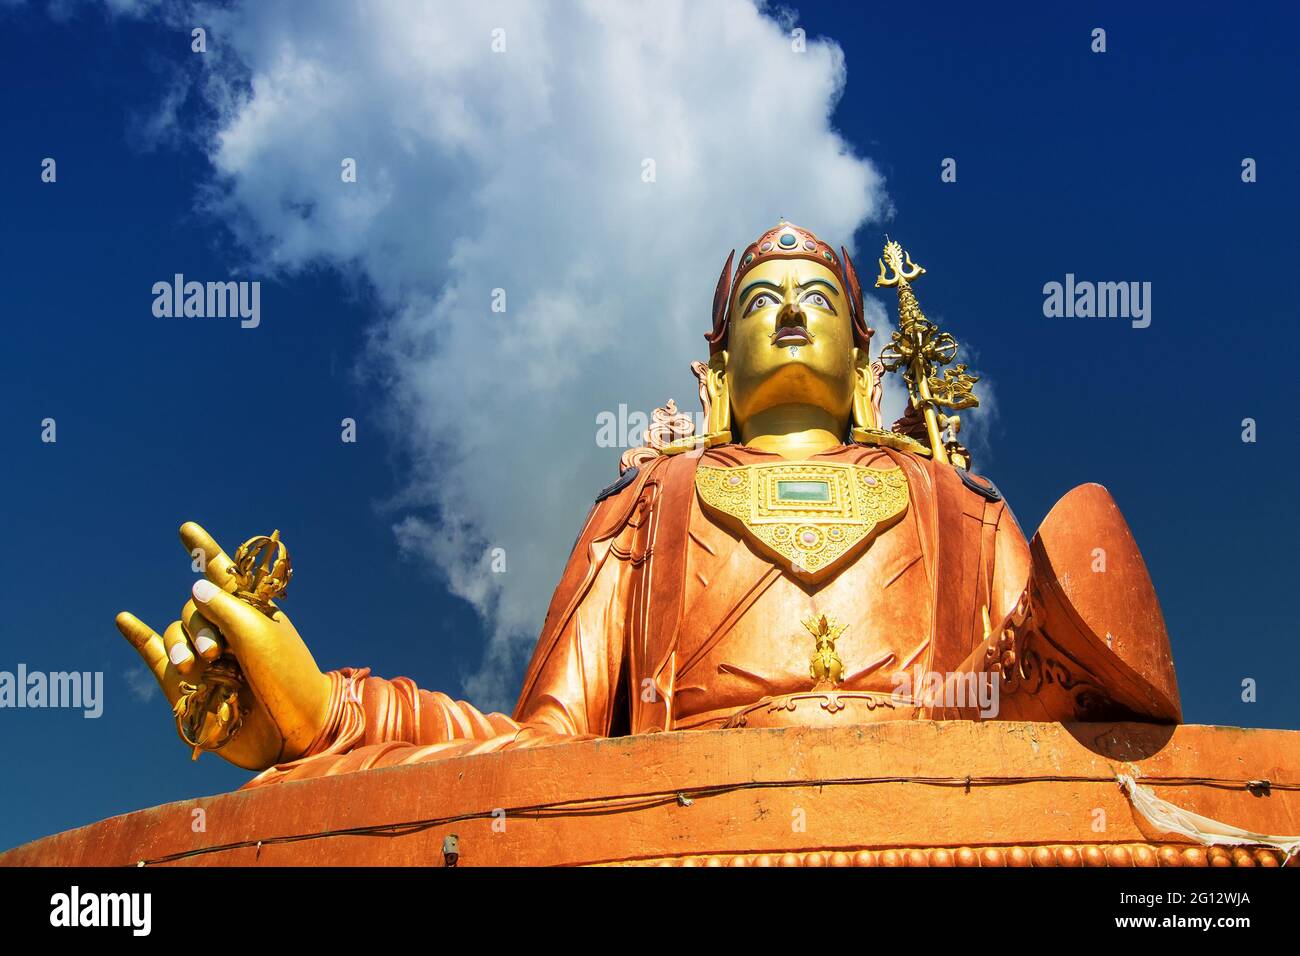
[791, 335]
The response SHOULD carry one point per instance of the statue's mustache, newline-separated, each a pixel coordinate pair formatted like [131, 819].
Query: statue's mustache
[790, 323]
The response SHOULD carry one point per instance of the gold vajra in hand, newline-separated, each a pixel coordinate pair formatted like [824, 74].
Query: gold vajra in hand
[209, 713]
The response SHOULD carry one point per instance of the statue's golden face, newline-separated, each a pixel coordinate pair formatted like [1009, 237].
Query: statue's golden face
[790, 340]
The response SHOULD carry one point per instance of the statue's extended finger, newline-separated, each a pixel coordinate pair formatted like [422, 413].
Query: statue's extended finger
[145, 640]
[203, 634]
[204, 548]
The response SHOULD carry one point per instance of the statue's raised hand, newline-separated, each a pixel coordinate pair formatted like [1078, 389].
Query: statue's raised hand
[285, 697]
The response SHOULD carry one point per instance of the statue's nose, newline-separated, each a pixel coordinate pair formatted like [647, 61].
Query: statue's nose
[790, 314]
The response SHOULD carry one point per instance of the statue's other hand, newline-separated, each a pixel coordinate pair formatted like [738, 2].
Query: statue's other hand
[286, 697]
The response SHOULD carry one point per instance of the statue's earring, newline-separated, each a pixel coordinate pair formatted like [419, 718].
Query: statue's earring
[719, 398]
[715, 398]
[866, 392]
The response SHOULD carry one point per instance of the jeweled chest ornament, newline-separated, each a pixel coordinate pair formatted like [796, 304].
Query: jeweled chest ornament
[209, 713]
[808, 514]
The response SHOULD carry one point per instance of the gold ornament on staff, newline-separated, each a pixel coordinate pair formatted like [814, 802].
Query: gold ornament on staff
[919, 348]
[209, 713]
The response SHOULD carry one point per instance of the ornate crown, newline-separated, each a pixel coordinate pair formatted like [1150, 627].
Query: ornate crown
[785, 240]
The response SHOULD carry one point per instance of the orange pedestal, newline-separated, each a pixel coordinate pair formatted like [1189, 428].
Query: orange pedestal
[894, 793]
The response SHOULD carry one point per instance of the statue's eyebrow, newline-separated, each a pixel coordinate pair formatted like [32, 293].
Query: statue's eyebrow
[826, 282]
[756, 284]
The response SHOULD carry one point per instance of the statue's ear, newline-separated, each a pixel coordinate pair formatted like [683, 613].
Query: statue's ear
[861, 331]
[720, 297]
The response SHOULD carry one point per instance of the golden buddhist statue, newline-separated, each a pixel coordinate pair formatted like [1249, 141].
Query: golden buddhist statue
[799, 564]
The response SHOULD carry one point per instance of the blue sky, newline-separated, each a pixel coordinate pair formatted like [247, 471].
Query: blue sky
[1117, 166]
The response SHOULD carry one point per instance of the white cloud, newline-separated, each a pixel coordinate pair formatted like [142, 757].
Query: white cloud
[140, 683]
[522, 170]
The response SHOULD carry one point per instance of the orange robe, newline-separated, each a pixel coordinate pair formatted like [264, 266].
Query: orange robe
[665, 619]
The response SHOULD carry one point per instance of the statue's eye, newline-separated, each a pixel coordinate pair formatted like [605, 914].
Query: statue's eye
[818, 300]
[761, 301]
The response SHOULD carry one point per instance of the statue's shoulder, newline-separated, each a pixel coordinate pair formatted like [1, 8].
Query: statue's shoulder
[667, 478]
[901, 445]
[625, 480]
[982, 486]
[615, 505]
[981, 494]
[959, 483]
[631, 479]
